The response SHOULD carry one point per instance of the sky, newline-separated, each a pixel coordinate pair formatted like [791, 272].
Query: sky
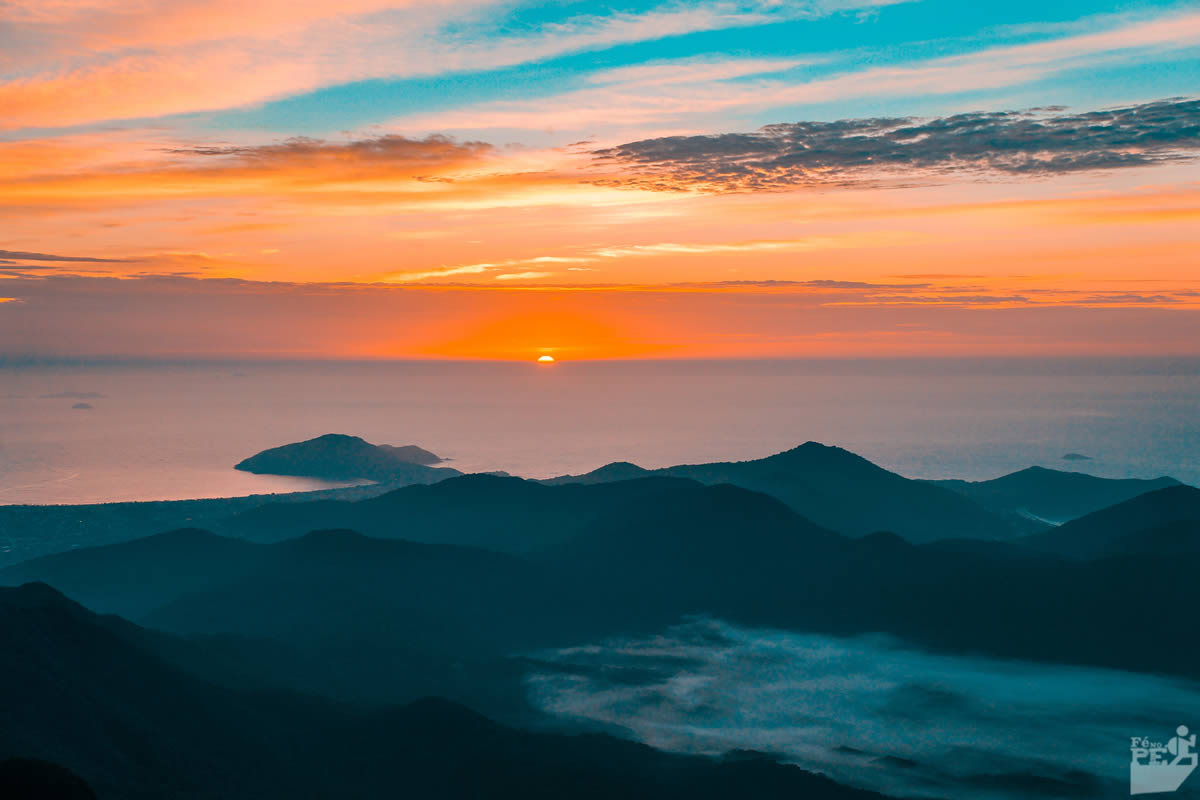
[475, 179]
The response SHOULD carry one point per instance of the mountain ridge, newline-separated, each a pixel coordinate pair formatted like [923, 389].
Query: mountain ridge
[648, 552]
[843, 491]
[1116, 529]
[1055, 495]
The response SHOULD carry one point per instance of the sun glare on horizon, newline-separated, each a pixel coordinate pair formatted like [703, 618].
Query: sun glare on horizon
[545, 359]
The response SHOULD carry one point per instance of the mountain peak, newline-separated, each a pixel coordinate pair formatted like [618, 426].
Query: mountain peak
[618, 470]
[477, 485]
[184, 535]
[613, 466]
[818, 455]
[36, 594]
[816, 449]
[337, 437]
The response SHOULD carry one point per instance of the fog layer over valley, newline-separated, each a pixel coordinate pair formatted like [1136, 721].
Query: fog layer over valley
[868, 711]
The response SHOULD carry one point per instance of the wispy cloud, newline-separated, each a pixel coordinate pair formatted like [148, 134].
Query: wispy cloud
[693, 71]
[828, 242]
[633, 251]
[487, 267]
[701, 93]
[75, 63]
[435, 152]
[523, 276]
[14, 256]
[447, 272]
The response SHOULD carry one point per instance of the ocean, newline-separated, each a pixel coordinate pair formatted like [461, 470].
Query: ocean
[174, 430]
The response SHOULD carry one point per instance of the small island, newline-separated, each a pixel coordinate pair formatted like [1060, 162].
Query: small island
[339, 457]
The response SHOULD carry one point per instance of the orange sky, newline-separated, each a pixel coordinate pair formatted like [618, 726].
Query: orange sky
[981, 267]
[133, 224]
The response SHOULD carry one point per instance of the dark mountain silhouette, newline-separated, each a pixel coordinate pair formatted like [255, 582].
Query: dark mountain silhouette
[76, 693]
[838, 490]
[335, 456]
[746, 558]
[843, 491]
[30, 531]
[332, 612]
[616, 471]
[374, 620]
[1177, 537]
[433, 598]
[1052, 494]
[499, 513]
[721, 550]
[132, 577]
[1132, 526]
[272, 522]
[375, 616]
[133, 727]
[34, 779]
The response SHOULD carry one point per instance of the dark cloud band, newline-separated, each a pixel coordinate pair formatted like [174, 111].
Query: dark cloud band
[387, 148]
[1036, 142]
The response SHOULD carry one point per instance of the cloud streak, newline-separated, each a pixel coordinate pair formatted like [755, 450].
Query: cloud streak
[434, 151]
[701, 94]
[15, 256]
[66, 64]
[866, 151]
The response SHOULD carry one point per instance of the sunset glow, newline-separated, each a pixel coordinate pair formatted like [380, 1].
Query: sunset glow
[669, 181]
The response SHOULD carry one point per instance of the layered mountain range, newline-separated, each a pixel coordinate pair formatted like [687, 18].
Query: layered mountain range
[282, 647]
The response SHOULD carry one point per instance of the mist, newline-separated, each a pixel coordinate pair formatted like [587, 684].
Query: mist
[869, 711]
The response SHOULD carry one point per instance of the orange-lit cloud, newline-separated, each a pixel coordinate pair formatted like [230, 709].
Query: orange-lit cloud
[438, 210]
[337, 243]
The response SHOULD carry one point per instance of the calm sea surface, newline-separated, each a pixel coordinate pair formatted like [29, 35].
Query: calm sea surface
[173, 431]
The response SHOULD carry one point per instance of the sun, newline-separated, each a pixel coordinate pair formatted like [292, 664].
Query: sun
[546, 359]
